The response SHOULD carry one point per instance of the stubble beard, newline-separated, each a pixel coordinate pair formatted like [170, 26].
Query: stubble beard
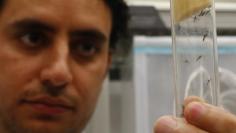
[11, 123]
[14, 126]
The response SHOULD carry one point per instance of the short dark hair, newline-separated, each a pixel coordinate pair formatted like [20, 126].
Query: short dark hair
[120, 17]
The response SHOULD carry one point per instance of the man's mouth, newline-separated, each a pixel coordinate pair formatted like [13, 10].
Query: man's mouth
[48, 106]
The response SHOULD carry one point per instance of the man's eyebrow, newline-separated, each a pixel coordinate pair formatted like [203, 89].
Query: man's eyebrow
[90, 33]
[32, 24]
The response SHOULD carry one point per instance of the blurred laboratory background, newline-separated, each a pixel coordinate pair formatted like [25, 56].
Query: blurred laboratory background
[139, 88]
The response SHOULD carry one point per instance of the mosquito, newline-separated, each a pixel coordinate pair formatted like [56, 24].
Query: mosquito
[199, 57]
[204, 37]
[178, 27]
[201, 13]
[208, 81]
[195, 18]
[186, 61]
[204, 12]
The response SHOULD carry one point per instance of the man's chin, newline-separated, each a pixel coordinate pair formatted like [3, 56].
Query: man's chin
[27, 120]
[43, 127]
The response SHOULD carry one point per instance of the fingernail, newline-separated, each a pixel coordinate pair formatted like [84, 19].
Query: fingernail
[166, 125]
[196, 110]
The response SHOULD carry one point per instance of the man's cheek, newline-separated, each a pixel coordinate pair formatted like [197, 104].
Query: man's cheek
[88, 87]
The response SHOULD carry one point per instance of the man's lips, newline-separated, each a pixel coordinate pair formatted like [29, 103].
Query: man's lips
[48, 105]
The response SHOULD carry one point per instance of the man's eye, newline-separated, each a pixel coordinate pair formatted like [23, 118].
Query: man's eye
[86, 49]
[34, 39]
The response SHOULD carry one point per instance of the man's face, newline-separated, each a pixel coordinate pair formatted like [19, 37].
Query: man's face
[54, 55]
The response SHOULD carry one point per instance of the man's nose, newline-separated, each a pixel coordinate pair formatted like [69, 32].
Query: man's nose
[56, 74]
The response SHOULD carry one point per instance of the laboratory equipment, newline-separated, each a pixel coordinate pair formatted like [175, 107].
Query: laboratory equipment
[194, 51]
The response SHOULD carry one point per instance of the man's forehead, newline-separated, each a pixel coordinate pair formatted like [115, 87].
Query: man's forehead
[69, 7]
[83, 13]
[69, 4]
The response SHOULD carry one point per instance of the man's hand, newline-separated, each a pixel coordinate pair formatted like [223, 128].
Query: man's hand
[199, 117]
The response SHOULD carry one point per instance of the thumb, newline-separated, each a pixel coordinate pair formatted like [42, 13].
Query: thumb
[210, 118]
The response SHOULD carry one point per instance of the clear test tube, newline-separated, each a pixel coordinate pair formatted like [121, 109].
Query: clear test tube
[194, 51]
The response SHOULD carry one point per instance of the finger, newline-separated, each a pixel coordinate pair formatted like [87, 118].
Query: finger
[169, 124]
[192, 99]
[210, 118]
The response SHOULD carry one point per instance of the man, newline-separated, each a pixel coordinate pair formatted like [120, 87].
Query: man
[54, 55]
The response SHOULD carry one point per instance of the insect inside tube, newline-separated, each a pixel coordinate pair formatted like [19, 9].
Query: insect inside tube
[208, 81]
[186, 61]
[178, 27]
[204, 12]
[201, 13]
[195, 18]
[199, 57]
[204, 36]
